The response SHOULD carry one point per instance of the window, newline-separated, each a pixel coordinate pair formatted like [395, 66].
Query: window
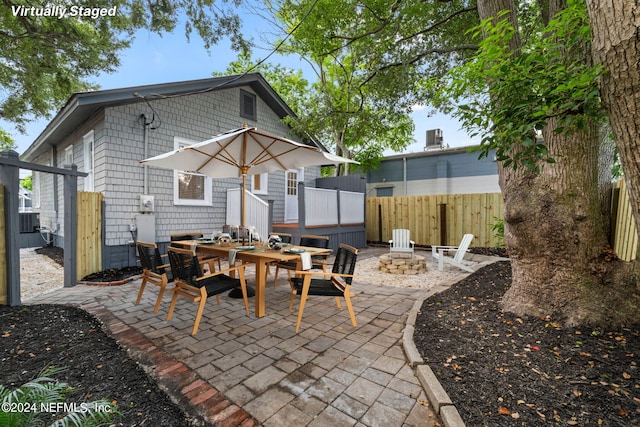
[87, 141]
[68, 156]
[190, 188]
[248, 105]
[259, 183]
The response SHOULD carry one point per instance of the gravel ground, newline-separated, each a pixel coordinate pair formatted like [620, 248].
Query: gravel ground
[39, 274]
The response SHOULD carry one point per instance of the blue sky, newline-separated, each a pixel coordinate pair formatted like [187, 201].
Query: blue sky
[169, 58]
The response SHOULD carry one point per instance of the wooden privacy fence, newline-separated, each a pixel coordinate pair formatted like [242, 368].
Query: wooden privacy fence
[436, 220]
[3, 251]
[89, 253]
[625, 234]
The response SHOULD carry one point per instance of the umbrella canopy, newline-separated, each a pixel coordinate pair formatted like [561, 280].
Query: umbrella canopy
[242, 152]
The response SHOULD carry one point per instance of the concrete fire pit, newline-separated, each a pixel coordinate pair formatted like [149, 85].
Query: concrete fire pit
[402, 263]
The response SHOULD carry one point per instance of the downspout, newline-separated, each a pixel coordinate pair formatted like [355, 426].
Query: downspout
[145, 138]
[56, 208]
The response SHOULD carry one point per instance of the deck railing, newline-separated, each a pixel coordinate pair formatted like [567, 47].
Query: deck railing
[256, 212]
[325, 207]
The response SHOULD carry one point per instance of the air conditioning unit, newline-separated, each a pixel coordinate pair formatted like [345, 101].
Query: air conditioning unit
[434, 139]
[147, 203]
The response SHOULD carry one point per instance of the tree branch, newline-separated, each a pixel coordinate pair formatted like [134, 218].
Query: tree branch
[466, 47]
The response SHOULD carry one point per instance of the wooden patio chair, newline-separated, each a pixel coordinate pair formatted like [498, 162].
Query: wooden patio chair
[154, 271]
[438, 253]
[401, 242]
[335, 284]
[195, 235]
[191, 283]
[317, 261]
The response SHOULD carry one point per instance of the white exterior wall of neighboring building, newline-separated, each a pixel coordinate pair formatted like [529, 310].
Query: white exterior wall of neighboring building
[459, 185]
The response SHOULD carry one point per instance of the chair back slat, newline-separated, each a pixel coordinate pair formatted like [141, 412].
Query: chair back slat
[345, 262]
[284, 237]
[315, 241]
[462, 249]
[184, 265]
[150, 258]
[186, 235]
[401, 238]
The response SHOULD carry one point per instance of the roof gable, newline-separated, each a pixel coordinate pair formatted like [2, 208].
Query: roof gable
[83, 105]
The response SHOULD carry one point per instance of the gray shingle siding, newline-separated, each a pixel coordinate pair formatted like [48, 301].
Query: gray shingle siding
[119, 146]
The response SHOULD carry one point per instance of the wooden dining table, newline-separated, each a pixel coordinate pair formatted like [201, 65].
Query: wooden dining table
[259, 256]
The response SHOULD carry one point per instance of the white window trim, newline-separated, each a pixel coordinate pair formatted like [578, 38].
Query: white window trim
[89, 159]
[68, 156]
[179, 142]
[264, 184]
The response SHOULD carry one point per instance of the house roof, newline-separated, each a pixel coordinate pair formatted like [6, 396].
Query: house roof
[84, 105]
[432, 152]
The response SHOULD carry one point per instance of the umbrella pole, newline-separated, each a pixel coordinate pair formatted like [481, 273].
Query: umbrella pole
[243, 199]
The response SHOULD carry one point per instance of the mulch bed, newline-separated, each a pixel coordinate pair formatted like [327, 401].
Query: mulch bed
[498, 369]
[106, 276]
[33, 337]
[504, 370]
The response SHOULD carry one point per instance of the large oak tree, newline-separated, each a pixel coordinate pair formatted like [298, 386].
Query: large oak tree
[532, 89]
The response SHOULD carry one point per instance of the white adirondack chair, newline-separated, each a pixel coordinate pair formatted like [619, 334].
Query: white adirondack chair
[437, 253]
[401, 242]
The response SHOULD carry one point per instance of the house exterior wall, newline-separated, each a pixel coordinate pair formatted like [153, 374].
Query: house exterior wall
[118, 147]
[452, 171]
[50, 189]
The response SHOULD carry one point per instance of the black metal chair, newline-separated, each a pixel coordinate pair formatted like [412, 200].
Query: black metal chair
[194, 235]
[317, 261]
[335, 284]
[154, 271]
[191, 283]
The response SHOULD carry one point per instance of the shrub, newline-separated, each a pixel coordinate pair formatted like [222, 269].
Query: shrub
[35, 401]
[498, 230]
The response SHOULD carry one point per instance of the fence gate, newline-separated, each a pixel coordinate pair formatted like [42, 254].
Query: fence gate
[89, 254]
[9, 178]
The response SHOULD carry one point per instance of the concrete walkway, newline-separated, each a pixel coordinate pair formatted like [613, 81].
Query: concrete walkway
[240, 370]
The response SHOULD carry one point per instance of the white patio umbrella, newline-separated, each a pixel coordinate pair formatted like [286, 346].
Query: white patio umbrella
[243, 151]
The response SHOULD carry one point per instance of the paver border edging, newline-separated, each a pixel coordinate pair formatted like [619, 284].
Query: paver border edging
[183, 385]
[112, 283]
[436, 394]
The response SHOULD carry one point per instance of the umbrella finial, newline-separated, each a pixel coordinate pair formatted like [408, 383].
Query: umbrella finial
[245, 125]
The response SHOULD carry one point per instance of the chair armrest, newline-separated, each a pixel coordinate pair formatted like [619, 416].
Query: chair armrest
[240, 268]
[445, 247]
[321, 273]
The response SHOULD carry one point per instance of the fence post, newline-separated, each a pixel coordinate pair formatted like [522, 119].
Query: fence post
[10, 178]
[379, 222]
[443, 224]
[338, 205]
[70, 229]
[301, 207]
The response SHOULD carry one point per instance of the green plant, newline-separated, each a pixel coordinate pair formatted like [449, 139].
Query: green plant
[34, 401]
[498, 230]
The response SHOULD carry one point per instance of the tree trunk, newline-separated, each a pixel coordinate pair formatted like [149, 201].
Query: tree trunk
[617, 47]
[556, 228]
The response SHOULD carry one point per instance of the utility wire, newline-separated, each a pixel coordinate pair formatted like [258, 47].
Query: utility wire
[239, 76]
